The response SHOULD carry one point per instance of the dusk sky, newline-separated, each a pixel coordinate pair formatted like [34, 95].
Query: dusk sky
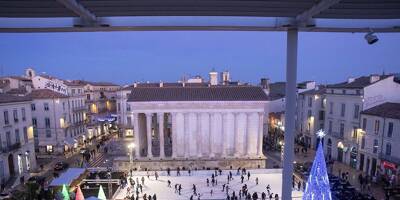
[125, 57]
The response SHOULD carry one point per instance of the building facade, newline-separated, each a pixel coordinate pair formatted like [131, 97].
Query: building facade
[17, 156]
[310, 115]
[344, 103]
[379, 140]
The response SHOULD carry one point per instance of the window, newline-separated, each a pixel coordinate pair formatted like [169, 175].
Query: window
[128, 107]
[25, 134]
[34, 122]
[321, 115]
[17, 138]
[354, 132]
[375, 147]
[8, 138]
[343, 110]
[47, 122]
[48, 133]
[330, 127]
[23, 114]
[362, 142]
[6, 120]
[46, 106]
[73, 104]
[388, 149]
[376, 127]
[63, 105]
[343, 91]
[73, 91]
[15, 114]
[341, 130]
[364, 124]
[358, 92]
[79, 91]
[33, 107]
[390, 129]
[129, 121]
[88, 96]
[309, 101]
[49, 148]
[321, 126]
[309, 114]
[330, 107]
[356, 111]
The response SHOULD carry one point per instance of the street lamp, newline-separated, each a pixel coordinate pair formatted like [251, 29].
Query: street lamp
[130, 147]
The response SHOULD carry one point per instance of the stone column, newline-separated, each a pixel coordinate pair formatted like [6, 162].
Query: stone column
[186, 134]
[180, 134]
[205, 133]
[137, 137]
[161, 133]
[252, 134]
[240, 134]
[229, 133]
[199, 136]
[192, 134]
[149, 140]
[260, 134]
[174, 135]
[216, 134]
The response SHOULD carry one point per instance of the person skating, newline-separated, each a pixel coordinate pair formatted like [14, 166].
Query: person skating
[256, 180]
[242, 178]
[191, 197]
[276, 197]
[255, 196]
[194, 189]
[156, 175]
[149, 197]
[211, 192]
[248, 175]
[176, 188]
[179, 189]
[263, 196]
[154, 197]
[208, 182]
[223, 187]
[169, 183]
[142, 180]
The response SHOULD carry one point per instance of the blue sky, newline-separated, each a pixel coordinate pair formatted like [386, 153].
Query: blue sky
[125, 57]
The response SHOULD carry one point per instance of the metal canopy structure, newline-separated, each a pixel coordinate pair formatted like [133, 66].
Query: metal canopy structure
[270, 15]
[292, 16]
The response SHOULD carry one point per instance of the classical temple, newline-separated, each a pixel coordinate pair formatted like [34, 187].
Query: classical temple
[196, 126]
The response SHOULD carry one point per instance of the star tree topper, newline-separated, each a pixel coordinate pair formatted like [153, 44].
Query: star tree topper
[321, 134]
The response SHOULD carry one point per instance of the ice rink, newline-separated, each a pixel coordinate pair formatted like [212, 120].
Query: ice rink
[273, 177]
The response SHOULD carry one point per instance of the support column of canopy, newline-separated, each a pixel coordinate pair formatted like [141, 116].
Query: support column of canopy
[148, 131]
[137, 137]
[240, 134]
[185, 133]
[161, 133]
[229, 133]
[199, 136]
[252, 134]
[216, 134]
[260, 134]
[290, 106]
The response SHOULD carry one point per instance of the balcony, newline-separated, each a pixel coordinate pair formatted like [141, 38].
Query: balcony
[80, 108]
[336, 135]
[390, 158]
[10, 148]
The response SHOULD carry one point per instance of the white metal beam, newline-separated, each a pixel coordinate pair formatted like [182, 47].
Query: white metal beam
[316, 9]
[77, 8]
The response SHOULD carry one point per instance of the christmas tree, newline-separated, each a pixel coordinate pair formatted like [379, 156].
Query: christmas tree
[318, 182]
[101, 194]
[79, 194]
[65, 193]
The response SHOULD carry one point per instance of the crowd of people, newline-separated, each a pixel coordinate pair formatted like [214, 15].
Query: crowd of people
[135, 189]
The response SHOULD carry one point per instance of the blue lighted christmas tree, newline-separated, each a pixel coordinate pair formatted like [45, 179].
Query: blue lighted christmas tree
[318, 182]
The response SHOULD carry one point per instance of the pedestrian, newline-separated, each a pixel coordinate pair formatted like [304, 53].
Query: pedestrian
[212, 181]
[220, 171]
[168, 171]
[208, 182]
[154, 197]
[248, 175]
[179, 189]
[227, 189]
[263, 196]
[156, 175]
[176, 188]
[256, 180]
[223, 187]
[255, 196]
[149, 197]
[242, 177]
[178, 171]
[211, 192]
[189, 171]
[228, 178]
[276, 197]
[230, 175]
[191, 197]
[144, 196]
[194, 189]
[141, 188]
[216, 181]
[142, 180]
[169, 183]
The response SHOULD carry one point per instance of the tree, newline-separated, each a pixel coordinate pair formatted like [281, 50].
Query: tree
[318, 187]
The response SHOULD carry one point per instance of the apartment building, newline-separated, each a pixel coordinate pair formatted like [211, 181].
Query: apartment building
[380, 136]
[58, 121]
[344, 103]
[17, 155]
[310, 115]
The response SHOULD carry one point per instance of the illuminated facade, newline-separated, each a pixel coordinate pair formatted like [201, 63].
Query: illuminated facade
[17, 154]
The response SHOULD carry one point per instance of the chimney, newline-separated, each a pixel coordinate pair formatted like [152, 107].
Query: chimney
[265, 85]
[225, 77]
[183, 84]
[350, 80]
[213, 77]
[134, 84]
[161, 84]
[374, 78]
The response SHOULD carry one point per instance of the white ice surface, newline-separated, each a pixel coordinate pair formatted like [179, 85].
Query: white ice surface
[273, 177]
